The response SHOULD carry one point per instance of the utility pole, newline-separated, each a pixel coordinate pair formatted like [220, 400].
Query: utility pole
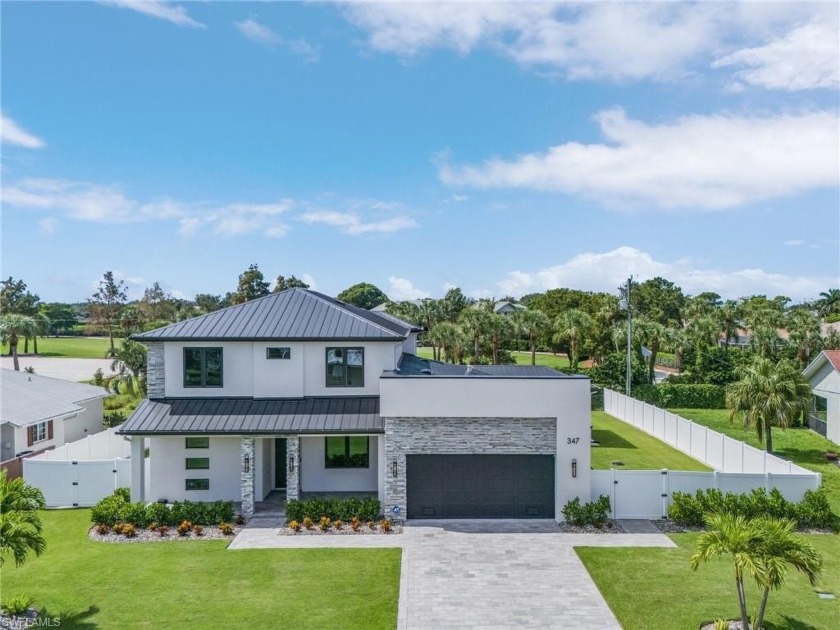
[625, 305]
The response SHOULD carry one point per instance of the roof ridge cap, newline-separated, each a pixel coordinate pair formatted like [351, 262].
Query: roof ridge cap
[323, 298]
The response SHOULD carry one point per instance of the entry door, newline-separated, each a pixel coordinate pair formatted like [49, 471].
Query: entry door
[280, 463]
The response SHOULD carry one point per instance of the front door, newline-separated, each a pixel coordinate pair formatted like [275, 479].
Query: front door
[280, 463]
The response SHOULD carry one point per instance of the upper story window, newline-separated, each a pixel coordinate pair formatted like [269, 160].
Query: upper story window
[345, 367]
[278, 353]
[202, 367]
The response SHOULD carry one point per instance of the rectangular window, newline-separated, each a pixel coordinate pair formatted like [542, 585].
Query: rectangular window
[198, 442]
[278, 353]
[39, 433]
[198, 484]
[819, 407]
[347, 451]
[202, 367]
[198, 463]
[345, 367]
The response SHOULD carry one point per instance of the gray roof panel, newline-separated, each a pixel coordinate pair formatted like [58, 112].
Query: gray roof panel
[29, 398]
[412, 365]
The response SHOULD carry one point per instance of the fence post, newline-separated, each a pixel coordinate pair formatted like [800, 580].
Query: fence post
[666, 492]
[717, 479]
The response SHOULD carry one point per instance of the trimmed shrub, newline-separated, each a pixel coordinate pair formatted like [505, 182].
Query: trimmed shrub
[335, 509]
[682, 396]
[595, 513]
[117, 509]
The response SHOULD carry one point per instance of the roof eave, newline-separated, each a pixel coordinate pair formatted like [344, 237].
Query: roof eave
[395, 338]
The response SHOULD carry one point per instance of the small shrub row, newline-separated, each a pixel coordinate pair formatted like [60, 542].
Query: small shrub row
[117, 508]
[682, 396]
[814, 511]
[325, 524]
[334, 509]
[595, 513]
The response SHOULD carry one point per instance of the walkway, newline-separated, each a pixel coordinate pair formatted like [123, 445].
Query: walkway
[484, 574]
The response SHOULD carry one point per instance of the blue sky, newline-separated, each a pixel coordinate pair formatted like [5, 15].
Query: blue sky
[501, 148]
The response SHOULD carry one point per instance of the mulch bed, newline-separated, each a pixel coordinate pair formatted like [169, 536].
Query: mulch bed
[610, 527]
[670, 527]
[364, 530]
[146, 535]
[27, 620]
[733, 625]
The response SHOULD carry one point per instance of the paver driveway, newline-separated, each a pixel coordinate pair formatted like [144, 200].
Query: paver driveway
[485, 574]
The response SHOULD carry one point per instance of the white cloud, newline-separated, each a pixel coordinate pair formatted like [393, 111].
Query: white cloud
[794, 243]
[12, 133]
[47, 225]
[351, 223]
[706, 162]
[401, 289]
[805, 58]
[158, 9]
[256, 32]
[459, 198]
[606, 271]
[309, 279]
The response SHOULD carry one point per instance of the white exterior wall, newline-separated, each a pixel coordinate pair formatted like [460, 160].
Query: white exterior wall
[409, 346]
[167, 460]
[21, 437]
[88, 422]
[826, 383]
[316, 477]
[378, 358]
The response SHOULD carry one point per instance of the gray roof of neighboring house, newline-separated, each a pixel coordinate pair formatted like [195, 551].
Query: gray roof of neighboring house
[292, 315]
[29, 398]
[412, 365]
[498, 306]
[247, 416]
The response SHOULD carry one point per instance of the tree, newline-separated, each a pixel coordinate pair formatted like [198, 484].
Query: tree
[652, 335]
[12, 327]
[729, 320]
[475, 323]
[612, 371]
[827, 304]
[156, 304]
[282, 283]
[364, 295]
[534, 324]
[106, 304]
[130, 365]
[768, 394]
[804, 334]
[14, 298]
[659, 300]
[209, 303]
[452, 304]
[62, 316]
[20, 522]
[572, 326]
[499, 329]
[42, 329]
[448, 340]
[252, 285]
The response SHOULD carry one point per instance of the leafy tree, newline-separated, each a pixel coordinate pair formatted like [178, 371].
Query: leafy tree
[406, 311]
[209, 303]
[715, 366]
[107, 303]
[534, 324]
[62, 316]
[448, 340]
[769, 394]
[364, 295]
[157, 304]
[652, 335]
[14, 298]
[252, 285]
[130, 366]
[572, 326]
[827, 304]
[832, 340]
[131, 319]
[659, 300]
[729, 320]
[42, 329]
[452, 304]
[612, 371]
[475, 322]
[20, 521]
[12, 327]
[282, 283]
[429, 313]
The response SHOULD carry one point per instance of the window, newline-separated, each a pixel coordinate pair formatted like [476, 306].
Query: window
[345, 367]
[202, 367]
[278, 353]
[198, 442]
[198, 463]
[819, 407]
[39, 432]
[348, 451]
[198, 484]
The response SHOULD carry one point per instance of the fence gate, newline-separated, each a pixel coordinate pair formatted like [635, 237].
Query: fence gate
[72, 484]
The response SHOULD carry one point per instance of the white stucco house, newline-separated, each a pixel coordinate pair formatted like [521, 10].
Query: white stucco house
[38, 412]
[823, 374]
[302, 393]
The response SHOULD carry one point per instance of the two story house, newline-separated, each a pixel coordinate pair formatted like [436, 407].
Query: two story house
[302, 393]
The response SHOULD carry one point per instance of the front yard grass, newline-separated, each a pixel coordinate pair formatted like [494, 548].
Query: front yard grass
[801, 446]
[638, 450]
[200, 584]
[555, 361]
[654, 589]
[71, 347]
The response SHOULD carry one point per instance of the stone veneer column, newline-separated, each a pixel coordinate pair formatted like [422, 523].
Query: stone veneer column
[155, 374]
[293, 471]
[395, 492]
[247, 469]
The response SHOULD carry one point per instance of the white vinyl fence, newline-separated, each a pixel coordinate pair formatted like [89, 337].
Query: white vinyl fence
[83, 472]
[738, 466]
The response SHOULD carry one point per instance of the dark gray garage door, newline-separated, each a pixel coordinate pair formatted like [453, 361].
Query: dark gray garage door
[480, 486]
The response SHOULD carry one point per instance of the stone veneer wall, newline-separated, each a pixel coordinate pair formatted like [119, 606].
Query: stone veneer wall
[155, 374]
[293, 476]
[247, 476]
[459, 436]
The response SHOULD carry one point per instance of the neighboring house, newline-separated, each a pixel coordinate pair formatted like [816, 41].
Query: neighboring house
[38, 412]
[508, 308]
[823, 373]
[302, 393]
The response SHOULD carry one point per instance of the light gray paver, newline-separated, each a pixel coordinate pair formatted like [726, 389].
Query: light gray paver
[484, 574]
[65, 368]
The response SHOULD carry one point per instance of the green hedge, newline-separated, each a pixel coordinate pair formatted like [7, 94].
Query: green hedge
[595, 513]
[814, 511]
[682, 396]
[117, 508]
[335, 509]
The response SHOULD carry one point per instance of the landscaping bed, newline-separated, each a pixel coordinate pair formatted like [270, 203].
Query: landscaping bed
[609, 527]
[325, 527]
[163, 533]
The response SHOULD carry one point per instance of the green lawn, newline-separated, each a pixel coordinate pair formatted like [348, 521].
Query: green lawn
[73, 347]
[638, 450]
[654, 589]
[200, 584]
[557, 362]
[801, 446]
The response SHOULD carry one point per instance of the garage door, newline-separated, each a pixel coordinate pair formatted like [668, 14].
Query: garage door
[480, 486]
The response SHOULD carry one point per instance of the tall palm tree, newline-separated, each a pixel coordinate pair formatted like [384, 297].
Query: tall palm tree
[130, 365]
[499, 329]
[729, 320]
[42, 328]
[20, 523]
[768, 394]
[572, 326]
[653, 335]
[446, 338]
[12, 328]
[828, 302]
[804, 334]
[475, 323]
[534, 324]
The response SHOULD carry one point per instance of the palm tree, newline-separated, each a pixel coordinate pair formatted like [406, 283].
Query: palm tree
[768, 394]
[572, 326]
[729, 320]
[12, 328]
[534, 324]
[652, 334]
[42, 328]
[499, 328]
[445, 336]
[828, 302]
[130, 364]
[804, 330]
[20, 523]
[475, 323]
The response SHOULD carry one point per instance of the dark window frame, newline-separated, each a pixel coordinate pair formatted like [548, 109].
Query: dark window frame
[202, 482]
[347, 456]
[345, 351]
[284, 355]
[197, 437]
[204, 350]
[187, 461]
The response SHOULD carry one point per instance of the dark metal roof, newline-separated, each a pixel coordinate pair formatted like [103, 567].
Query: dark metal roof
[246, 416]
[412, 365]
[294, 314]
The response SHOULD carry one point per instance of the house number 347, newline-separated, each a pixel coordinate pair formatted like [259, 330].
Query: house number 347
[572, 440]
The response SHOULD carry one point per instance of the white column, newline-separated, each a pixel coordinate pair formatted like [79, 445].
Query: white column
[138, 468]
